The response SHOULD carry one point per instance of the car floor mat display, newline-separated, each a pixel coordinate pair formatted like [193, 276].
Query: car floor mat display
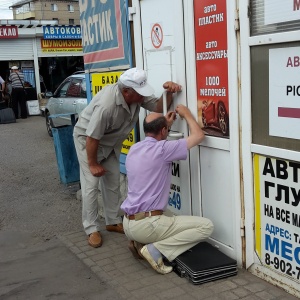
[203, 263]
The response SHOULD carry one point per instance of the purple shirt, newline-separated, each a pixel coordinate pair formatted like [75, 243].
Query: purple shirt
[149, 167]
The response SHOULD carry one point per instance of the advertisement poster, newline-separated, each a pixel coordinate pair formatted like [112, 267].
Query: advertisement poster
[61, 45]
[281, 11]
[99, 81]
[277, 214]
[105, 36]
[64, 32]
[284, 92]
[9, 32]
[212, 66]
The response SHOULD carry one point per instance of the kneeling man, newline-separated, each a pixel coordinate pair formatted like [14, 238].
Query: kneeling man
[149, 164]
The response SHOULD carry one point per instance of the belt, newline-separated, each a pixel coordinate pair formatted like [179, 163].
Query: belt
[144, 214]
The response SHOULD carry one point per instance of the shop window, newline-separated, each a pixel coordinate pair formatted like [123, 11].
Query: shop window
[74, 88]
[71, 22]
[275, 88]
[269, 16]
[70, 8]
[54, 7]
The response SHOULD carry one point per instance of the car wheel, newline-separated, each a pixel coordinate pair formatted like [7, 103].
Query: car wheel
[48, 124]
[223, 119]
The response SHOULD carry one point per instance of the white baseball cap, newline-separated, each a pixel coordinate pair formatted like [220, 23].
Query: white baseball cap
[14, 68]
[137, 79]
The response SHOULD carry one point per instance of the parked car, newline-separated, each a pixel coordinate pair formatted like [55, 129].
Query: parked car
[215, 114]
[69, 97]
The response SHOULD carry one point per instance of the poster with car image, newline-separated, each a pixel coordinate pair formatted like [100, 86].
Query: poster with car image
[210, 19]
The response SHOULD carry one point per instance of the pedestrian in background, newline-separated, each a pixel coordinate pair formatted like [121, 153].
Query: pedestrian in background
[98, 136]
[18, 96]
[2, 86]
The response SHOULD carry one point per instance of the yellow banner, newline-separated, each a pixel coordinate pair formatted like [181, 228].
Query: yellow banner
[99, 81]
[62, 50]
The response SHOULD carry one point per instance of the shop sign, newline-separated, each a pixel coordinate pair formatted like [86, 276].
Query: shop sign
[61, 45]
[212, 65]
[99, 81]
[8, 32]
[284, 92]
[62, 32]
[281, 11]
[277, 214]
[105, 38]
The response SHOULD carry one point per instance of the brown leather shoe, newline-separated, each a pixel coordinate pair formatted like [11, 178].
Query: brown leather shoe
[95, 239]
[115, 228]
[135, 249]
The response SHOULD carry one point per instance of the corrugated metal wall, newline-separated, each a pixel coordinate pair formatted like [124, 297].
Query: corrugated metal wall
[16, 49]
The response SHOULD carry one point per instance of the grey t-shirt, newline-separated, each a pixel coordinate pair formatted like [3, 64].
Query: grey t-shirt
[109, 119]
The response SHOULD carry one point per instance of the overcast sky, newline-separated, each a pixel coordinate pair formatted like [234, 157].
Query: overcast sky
[5, 12]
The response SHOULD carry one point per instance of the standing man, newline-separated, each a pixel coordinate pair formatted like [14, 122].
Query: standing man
[98, 136]
[18, 96]
[149, 166]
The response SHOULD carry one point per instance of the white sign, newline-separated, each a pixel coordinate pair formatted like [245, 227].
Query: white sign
[277, 215]
[284, 92]
[281, 11]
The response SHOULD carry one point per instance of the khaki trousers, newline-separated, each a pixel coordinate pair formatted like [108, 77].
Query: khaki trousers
[109, 186]
[170, 235]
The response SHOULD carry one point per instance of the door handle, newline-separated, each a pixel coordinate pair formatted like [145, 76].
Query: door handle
[174, 135]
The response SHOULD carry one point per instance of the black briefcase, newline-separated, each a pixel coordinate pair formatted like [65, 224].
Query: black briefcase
[204, 263]
[7, 116]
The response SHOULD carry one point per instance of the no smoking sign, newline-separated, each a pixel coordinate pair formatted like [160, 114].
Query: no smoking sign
[156, 35]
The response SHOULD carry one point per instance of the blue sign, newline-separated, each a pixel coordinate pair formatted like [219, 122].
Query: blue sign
[105, 34]
[62, 32]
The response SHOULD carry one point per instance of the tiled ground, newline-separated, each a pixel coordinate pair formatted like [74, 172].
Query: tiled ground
[114, 264]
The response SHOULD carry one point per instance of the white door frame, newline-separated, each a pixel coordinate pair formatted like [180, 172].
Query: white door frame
[233, 144]
[248, 148]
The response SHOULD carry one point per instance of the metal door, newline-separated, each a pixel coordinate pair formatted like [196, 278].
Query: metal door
[160, 51]
[207, 183]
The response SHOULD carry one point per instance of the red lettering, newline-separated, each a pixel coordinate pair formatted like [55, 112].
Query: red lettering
[293, 62]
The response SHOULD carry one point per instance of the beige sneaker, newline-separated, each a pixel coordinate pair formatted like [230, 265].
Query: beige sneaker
[159, 267]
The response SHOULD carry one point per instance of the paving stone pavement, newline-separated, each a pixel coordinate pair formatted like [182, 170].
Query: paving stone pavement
[133, 279]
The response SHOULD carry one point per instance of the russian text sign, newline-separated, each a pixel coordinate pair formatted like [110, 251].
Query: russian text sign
[212, 65]
[9, 32]
[277, 214]
[284, 92]
[61, 45]
[62, 32]
[104, 34]
[281, 11]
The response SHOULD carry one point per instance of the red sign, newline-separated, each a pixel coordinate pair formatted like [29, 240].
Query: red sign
[8, 32]
[212, 65]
